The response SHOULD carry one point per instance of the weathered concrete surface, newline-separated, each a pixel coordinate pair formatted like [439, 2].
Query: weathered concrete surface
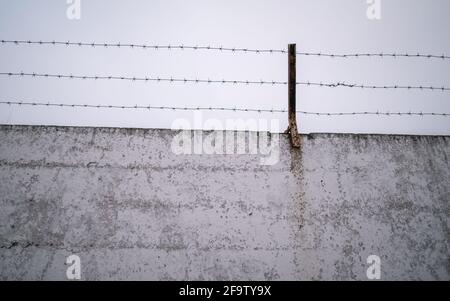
[131, 209]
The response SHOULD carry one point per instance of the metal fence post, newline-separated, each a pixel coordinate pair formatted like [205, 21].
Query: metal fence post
[292, 85]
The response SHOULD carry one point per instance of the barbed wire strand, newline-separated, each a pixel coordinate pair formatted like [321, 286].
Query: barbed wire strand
[223, 81]
[150, 107]
[145, 79]
[362, 86]
[227, 49]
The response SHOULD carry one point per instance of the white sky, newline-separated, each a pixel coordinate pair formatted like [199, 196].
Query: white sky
[314, 25]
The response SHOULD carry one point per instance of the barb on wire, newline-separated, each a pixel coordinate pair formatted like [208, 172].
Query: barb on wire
[228, 49]
[152, 107]
[223, 81]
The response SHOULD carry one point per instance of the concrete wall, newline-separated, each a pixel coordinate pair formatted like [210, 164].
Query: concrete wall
[131, 209]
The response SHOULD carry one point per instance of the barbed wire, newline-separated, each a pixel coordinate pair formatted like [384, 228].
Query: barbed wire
[236, 109]
[145, 79]
[144, 46]
[227, 49]
[223, 81]
[365, 86]
[379, 55]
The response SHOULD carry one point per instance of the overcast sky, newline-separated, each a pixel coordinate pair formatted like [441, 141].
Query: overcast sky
[314, 25]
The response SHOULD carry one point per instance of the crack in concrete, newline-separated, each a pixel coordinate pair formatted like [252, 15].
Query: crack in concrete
[180, 167]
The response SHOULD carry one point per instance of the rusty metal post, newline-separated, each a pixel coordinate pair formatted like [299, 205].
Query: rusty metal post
[292, 85]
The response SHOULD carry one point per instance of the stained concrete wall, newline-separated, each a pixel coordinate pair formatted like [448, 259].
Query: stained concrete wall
[131, 209]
